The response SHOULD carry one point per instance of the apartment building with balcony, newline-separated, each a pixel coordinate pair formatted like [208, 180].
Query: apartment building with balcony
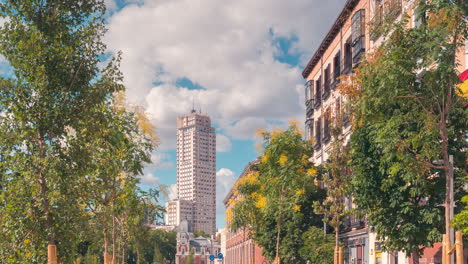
[340, 51]
[240, 248]
[357, 30]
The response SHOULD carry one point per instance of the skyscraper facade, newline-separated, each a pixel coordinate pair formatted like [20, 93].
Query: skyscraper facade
[196, 171]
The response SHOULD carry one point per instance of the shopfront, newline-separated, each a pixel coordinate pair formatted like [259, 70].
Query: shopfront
[356, 249]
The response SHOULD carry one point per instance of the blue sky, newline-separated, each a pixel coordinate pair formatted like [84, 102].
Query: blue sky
[240, 61]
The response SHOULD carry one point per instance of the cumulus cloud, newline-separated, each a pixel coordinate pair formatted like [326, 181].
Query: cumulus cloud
[149, 179]
[228, 49]
[225, 179]
[223, 144]
[160, 161]
[111, 5]
[172, 192]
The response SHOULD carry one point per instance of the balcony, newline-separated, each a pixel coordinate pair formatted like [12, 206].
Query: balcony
[326, 137]
[376, 26]
[356, 223]
[350, 222]
[358, 50]
[310, 108]
[346, 120]
[318, 100]
[318, 144]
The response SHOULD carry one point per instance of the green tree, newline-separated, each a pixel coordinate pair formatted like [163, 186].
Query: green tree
[336, 177]
[318, 247]
[201, 233]
[277, 195]
[190, 259]
[54, 48]
[460, 220]
[408, 116]
[117, 147]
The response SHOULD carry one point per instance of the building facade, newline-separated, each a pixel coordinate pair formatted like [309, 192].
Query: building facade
[354, 32]
[195, 249]
[178, 210]
[196, 174]
[240, 248]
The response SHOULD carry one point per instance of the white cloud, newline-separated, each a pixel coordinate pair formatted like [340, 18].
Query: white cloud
[227, 48]
[223, 144]
[111, 5]
[160, 161]
[149, 179]
[246, 128]
[225, 179]
[172, 192]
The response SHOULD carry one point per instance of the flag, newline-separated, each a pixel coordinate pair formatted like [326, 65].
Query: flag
[463, 86]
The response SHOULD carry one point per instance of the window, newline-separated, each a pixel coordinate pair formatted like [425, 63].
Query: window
[336, 66]
[326, 126]
[348, 60]
[318, 133]
[377, 21]
[338, 109]
[309, 126]
[326, 83]
[318, 92]
[418, 18]
[358, 28]
[309, 86]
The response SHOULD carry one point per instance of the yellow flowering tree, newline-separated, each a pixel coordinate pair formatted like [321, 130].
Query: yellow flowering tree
[276, 197]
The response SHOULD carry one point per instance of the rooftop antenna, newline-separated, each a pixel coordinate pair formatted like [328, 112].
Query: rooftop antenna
[193, 106]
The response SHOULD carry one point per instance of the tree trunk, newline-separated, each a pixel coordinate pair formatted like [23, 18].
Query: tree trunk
[113, 240]
[447, 172]
[106, 247]
[337, 242]
[415, 256]
[443, 131]
[51, 248]
[138, 255]
[122, 237]
[277, 258]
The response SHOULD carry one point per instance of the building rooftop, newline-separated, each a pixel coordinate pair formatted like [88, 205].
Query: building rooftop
[332, 33]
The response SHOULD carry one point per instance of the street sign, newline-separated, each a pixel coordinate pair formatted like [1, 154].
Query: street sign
[212, 257]
[220, 255]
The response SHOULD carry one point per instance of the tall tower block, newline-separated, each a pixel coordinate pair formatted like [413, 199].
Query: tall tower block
[196, 169]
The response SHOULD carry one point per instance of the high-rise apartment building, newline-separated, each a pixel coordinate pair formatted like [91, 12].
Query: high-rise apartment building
[196, 174]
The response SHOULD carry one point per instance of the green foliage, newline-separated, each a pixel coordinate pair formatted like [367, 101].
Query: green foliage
[201, 233]
[70, 152]
[336, 176]
[318, 247]
[54, 49]
[158, 246]
[408, 116]
[460, 221]
[277, 196]
[190, 259]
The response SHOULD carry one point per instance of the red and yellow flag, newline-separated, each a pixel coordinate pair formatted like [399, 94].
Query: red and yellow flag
[463, 86]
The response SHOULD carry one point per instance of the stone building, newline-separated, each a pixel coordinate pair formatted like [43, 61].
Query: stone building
[199, 249]
[354, 32]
